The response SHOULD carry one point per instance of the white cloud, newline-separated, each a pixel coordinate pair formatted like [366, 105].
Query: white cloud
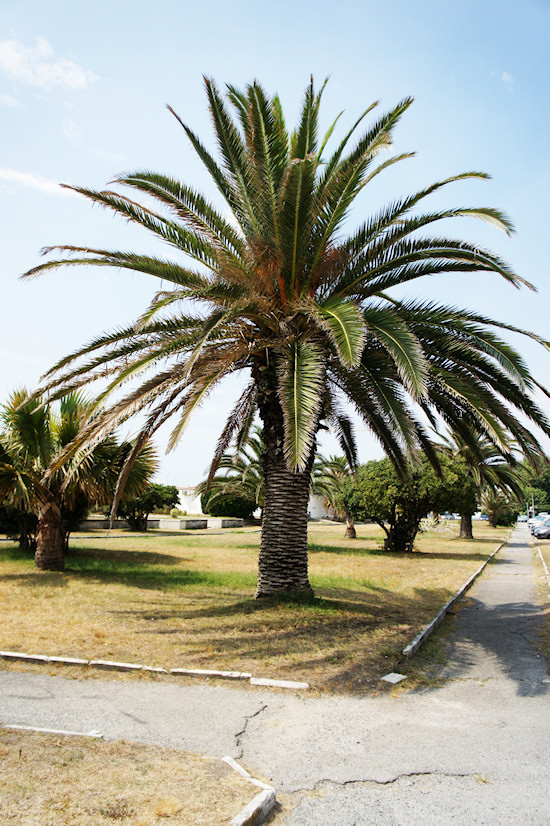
[507, 78]
[34, 182]
[38, 66]
[9, 100]
[71, 130]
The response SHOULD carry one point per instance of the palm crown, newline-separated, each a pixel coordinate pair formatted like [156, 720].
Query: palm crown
[278, 290]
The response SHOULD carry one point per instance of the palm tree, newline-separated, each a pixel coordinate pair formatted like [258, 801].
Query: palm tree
[497, 504]
[492, 472]
[32, 478]
[270, 286]
[327, 480]
[241, 472]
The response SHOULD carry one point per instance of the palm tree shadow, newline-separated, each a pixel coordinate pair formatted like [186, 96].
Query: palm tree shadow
[490, 640]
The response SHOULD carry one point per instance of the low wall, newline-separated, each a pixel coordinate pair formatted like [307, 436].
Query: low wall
[225, 522]
[101, 524]
[170, 524]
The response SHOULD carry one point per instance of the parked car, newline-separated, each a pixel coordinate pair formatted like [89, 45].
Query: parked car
[543, 531]
[522, 517]
[540, 526]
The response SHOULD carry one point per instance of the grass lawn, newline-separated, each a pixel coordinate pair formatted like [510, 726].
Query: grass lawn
[187, 601]
[47, 779]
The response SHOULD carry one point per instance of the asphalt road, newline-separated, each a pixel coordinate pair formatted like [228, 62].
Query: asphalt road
[474, 750]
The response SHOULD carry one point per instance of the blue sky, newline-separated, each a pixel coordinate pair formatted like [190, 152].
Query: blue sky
[83, 88]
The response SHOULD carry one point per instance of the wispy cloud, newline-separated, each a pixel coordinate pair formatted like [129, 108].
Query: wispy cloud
[38, 182]
[507, 78]
[38, 66]
[9, 100]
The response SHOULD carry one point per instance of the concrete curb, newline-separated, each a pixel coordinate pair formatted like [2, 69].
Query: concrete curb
[428, 629]
[255, 812]
[111, 665]
[94, 735]
[545, 566]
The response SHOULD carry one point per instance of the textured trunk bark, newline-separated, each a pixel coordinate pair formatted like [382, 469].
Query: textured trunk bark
[351, 533]
[283, 560]
[50, 544]
[466, 531]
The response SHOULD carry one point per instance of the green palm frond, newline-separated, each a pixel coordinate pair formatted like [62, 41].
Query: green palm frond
[301, 374]
[345, 326]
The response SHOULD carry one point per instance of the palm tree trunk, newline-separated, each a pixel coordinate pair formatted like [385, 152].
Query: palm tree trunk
[283, 560]
[50, 546]
[466, 531]
[351, 533]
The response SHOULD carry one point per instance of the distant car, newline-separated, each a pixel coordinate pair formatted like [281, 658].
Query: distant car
[539, 522]
[522, 517]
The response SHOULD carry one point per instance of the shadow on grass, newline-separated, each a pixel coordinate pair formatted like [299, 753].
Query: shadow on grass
[128, 557]
[136, 570]
[416, 554]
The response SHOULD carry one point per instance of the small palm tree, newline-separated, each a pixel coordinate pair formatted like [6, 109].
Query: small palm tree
[271, 286]
[492, 470]
[33, 437]
[497, 505]
[327, 480]
[241, 472]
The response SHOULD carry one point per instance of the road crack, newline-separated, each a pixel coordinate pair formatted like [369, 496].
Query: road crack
[240, 734]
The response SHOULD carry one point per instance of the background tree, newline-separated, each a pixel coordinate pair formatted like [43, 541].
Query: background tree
[500, 507]
[155, 497]
[38, 476]
[328, 480]
[487, 467]
[377, 493]
[535, 484]
[238, 489]
[20, 525]
[309, 313]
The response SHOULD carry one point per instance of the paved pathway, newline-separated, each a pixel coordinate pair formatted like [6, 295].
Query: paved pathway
[475, 750]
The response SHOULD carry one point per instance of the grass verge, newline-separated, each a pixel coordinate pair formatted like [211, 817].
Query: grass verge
[187, 601]
[48, 780]
[544, 590]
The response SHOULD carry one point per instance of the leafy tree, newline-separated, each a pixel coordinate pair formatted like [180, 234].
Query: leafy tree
[39, 476]
[155, 497]
[280, 292]
[328, 480]
[535, 484]
[20, 525]
[377, 493]
[222, 502]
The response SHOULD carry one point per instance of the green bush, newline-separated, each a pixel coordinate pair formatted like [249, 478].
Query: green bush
[228, 505]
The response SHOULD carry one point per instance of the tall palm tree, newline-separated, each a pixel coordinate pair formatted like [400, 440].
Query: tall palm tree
[270, 285]
[33, 437]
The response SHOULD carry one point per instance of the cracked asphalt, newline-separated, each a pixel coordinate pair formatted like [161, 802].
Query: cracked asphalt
[473, 750]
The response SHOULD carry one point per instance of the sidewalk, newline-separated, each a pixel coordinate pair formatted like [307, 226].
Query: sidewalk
[474, 751]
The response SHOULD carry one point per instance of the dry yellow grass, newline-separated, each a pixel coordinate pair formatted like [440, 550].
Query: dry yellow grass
[48, 780]
[187, 601]
[544, 587]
